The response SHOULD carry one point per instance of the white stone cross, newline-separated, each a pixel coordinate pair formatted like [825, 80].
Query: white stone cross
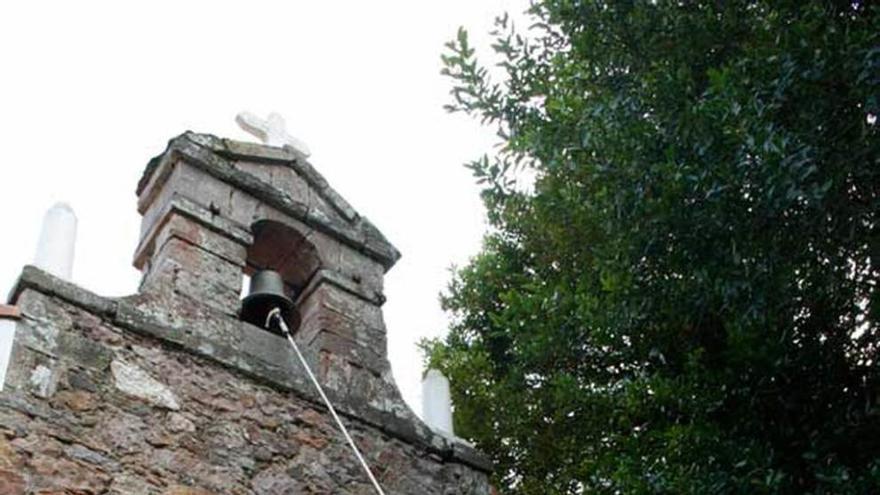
[271, 131]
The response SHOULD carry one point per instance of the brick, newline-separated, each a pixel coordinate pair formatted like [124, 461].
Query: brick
[8, 311]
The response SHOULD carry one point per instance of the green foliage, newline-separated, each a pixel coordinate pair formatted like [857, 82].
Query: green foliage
[686, 301]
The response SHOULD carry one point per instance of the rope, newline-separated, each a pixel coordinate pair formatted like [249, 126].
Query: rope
[276, 314]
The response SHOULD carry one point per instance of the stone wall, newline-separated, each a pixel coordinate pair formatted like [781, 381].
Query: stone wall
[167, 391]
[100, 400]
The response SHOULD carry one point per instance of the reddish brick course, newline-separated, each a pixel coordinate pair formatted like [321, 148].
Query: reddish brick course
[7, 311]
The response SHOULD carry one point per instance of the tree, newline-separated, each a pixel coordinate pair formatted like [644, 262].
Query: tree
[686, 299]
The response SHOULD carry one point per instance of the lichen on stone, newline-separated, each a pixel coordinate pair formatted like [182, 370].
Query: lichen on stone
[134, 381]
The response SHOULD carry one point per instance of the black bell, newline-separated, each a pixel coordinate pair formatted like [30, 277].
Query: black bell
[265, 294]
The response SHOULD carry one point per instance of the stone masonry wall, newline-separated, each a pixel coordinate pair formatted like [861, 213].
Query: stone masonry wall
[99, 400]
[167, 391]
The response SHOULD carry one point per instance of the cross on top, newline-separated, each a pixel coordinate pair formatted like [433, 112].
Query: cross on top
[271, 131]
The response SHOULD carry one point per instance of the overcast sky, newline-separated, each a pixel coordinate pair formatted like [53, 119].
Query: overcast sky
[90, 91]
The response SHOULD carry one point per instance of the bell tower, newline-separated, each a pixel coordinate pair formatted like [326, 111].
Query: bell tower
[175, 390]
[214, 209]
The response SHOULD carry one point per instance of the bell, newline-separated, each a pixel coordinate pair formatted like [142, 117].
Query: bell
[266, 293]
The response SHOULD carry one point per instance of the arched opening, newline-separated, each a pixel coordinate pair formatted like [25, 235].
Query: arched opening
[281, 248]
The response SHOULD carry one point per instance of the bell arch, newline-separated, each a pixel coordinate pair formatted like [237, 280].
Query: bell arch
[280, 247]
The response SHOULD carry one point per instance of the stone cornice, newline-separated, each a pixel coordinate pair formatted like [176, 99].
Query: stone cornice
[216, 156]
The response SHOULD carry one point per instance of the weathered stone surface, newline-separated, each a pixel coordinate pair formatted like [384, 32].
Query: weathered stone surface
[134, 381]
[210, 288]
[186, 490]
[189, 269]
[250, 151]
[205, 152]
[11, 483]
[183, 219]
[233, 431]
[77, 400]
[43, 381]
[48, 284]
[128, 483]
[178, 423]
[181, 316]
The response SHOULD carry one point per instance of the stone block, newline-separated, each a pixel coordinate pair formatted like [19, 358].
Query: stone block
[181, 227]
[186, 490]
[345, 303]
[181, 314]
[319, 206]
[253, 151]
[278, 176]
[329, 321]
[152, 215]
[43, 321]
[262, 171]
[60, 475]
[264, 345]
[210, 291]
[181, 267]
[285, 179]
[11, 482]
[134, 381]
[362, 270]
[350, 381]
[200, 187]
[351, 350]
[243, 208]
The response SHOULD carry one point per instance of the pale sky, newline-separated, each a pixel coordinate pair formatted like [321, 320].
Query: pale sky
[90, 91]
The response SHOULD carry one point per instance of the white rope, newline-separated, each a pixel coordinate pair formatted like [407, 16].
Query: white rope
[276, 313]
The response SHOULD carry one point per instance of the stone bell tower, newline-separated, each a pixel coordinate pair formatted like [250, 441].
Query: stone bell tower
[168, 391]
[214, 209]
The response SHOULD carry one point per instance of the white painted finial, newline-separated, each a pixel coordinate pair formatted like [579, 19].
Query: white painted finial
[271, 131]
[436, 401]
[57, 244]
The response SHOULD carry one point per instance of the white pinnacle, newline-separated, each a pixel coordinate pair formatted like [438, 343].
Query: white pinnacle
[437, 402]
[57, 244]
[271, 131]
